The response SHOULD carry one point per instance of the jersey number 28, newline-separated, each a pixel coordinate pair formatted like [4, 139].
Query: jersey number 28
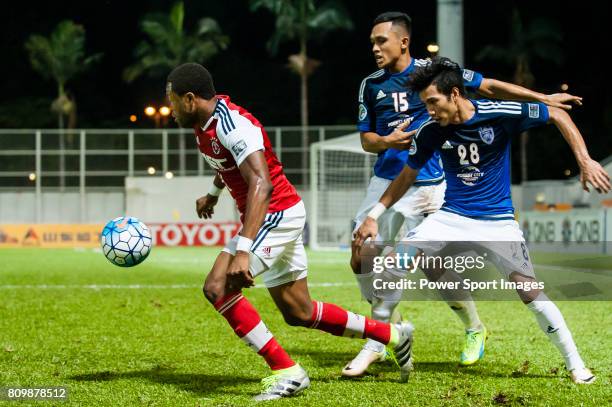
[474, 157]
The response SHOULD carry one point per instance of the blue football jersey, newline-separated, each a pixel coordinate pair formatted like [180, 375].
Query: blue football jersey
[385, 102]
[476, 156]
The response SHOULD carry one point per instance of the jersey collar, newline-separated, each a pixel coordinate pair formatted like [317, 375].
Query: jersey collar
[214, 116]
[405, 71]
[473, 118]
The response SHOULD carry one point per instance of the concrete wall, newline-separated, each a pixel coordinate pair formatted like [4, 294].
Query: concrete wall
[57, 207]
[173, 200]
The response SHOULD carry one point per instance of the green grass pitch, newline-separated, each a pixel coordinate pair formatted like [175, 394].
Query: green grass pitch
[145, 336]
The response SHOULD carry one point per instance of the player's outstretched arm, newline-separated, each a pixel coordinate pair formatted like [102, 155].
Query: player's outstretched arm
[399, 139]
[591, 172]
[254, 170]
[493, 88]
[205, 205]
[395, 190]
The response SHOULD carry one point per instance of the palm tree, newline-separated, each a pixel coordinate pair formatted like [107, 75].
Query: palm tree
[61, 57]
[302, 20]
[541, 38]
[170, 45]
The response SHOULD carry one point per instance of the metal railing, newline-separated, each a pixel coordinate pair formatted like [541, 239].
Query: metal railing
[100, 159]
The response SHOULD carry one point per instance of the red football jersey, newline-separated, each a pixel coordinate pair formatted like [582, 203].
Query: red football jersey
[229, 136]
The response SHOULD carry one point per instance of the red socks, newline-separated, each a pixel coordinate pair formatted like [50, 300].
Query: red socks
[247, 324]
[339, 322]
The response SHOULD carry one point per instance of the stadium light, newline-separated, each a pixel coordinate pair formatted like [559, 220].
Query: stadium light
[32, 177]
[133, 118]
[169, 175]
[151, 170]
[150, 111]
[433, 49]
[164, 111]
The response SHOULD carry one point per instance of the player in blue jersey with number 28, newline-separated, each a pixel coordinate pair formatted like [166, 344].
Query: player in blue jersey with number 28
[389, 113]
[473, 139]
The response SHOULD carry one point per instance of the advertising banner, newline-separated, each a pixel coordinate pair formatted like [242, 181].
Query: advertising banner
[50, 236]
[193, 234]
[87, 235]
[577, 230]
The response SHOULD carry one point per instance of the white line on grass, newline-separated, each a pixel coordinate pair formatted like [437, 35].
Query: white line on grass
[136, 286]
[181, 286]
[176, 260]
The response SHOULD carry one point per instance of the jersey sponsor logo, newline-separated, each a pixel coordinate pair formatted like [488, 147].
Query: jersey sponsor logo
[380, 95]
[534, 111]
[216, 163]
[239, 147]
[468, 75]
[486, 134]
[215, 146]
[447, 145]
[397, 122]
[363, 112]
[470, 175]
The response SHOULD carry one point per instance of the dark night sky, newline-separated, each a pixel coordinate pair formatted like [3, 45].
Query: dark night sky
[263, 84]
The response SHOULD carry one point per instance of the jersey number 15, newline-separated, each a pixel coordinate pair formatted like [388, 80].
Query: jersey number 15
[400, 101]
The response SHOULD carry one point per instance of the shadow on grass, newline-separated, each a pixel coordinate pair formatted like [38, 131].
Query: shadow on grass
[201, 384]
[480, 369]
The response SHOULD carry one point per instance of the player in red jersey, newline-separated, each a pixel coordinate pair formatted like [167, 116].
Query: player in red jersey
[270, 243]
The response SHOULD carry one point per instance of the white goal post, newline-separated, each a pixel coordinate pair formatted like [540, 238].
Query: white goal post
[339, 175]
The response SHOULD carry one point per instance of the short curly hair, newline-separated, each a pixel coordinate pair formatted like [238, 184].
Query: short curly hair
[191, 77]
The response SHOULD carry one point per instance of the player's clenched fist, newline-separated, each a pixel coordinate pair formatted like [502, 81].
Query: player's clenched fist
[238, 274]
[367, 230]
[205, 206]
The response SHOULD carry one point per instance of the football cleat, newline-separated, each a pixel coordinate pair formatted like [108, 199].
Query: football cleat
[582, 376]
[369, 354]
[474, 347]
[283, 383]
[402, 352]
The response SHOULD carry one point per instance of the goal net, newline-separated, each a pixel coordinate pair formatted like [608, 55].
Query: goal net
[339, 175]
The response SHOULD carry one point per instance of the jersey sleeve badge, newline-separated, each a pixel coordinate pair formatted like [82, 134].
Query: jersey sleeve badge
[363, 112]
[468, 75]
[534, 111]
[239, 147]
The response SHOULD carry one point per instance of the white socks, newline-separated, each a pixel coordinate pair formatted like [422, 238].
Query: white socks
[365, 285]
[461, 302]
[382, 308]
[552, 323]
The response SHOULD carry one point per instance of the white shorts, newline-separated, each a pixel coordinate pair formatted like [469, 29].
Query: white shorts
[278, 252]
[417, 202]
[445, 233]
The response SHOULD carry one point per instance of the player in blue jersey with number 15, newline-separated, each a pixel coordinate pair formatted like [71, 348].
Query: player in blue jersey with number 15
[473, 139]
[389, 113]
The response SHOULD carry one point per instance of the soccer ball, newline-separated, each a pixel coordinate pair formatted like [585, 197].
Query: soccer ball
[126, 241]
